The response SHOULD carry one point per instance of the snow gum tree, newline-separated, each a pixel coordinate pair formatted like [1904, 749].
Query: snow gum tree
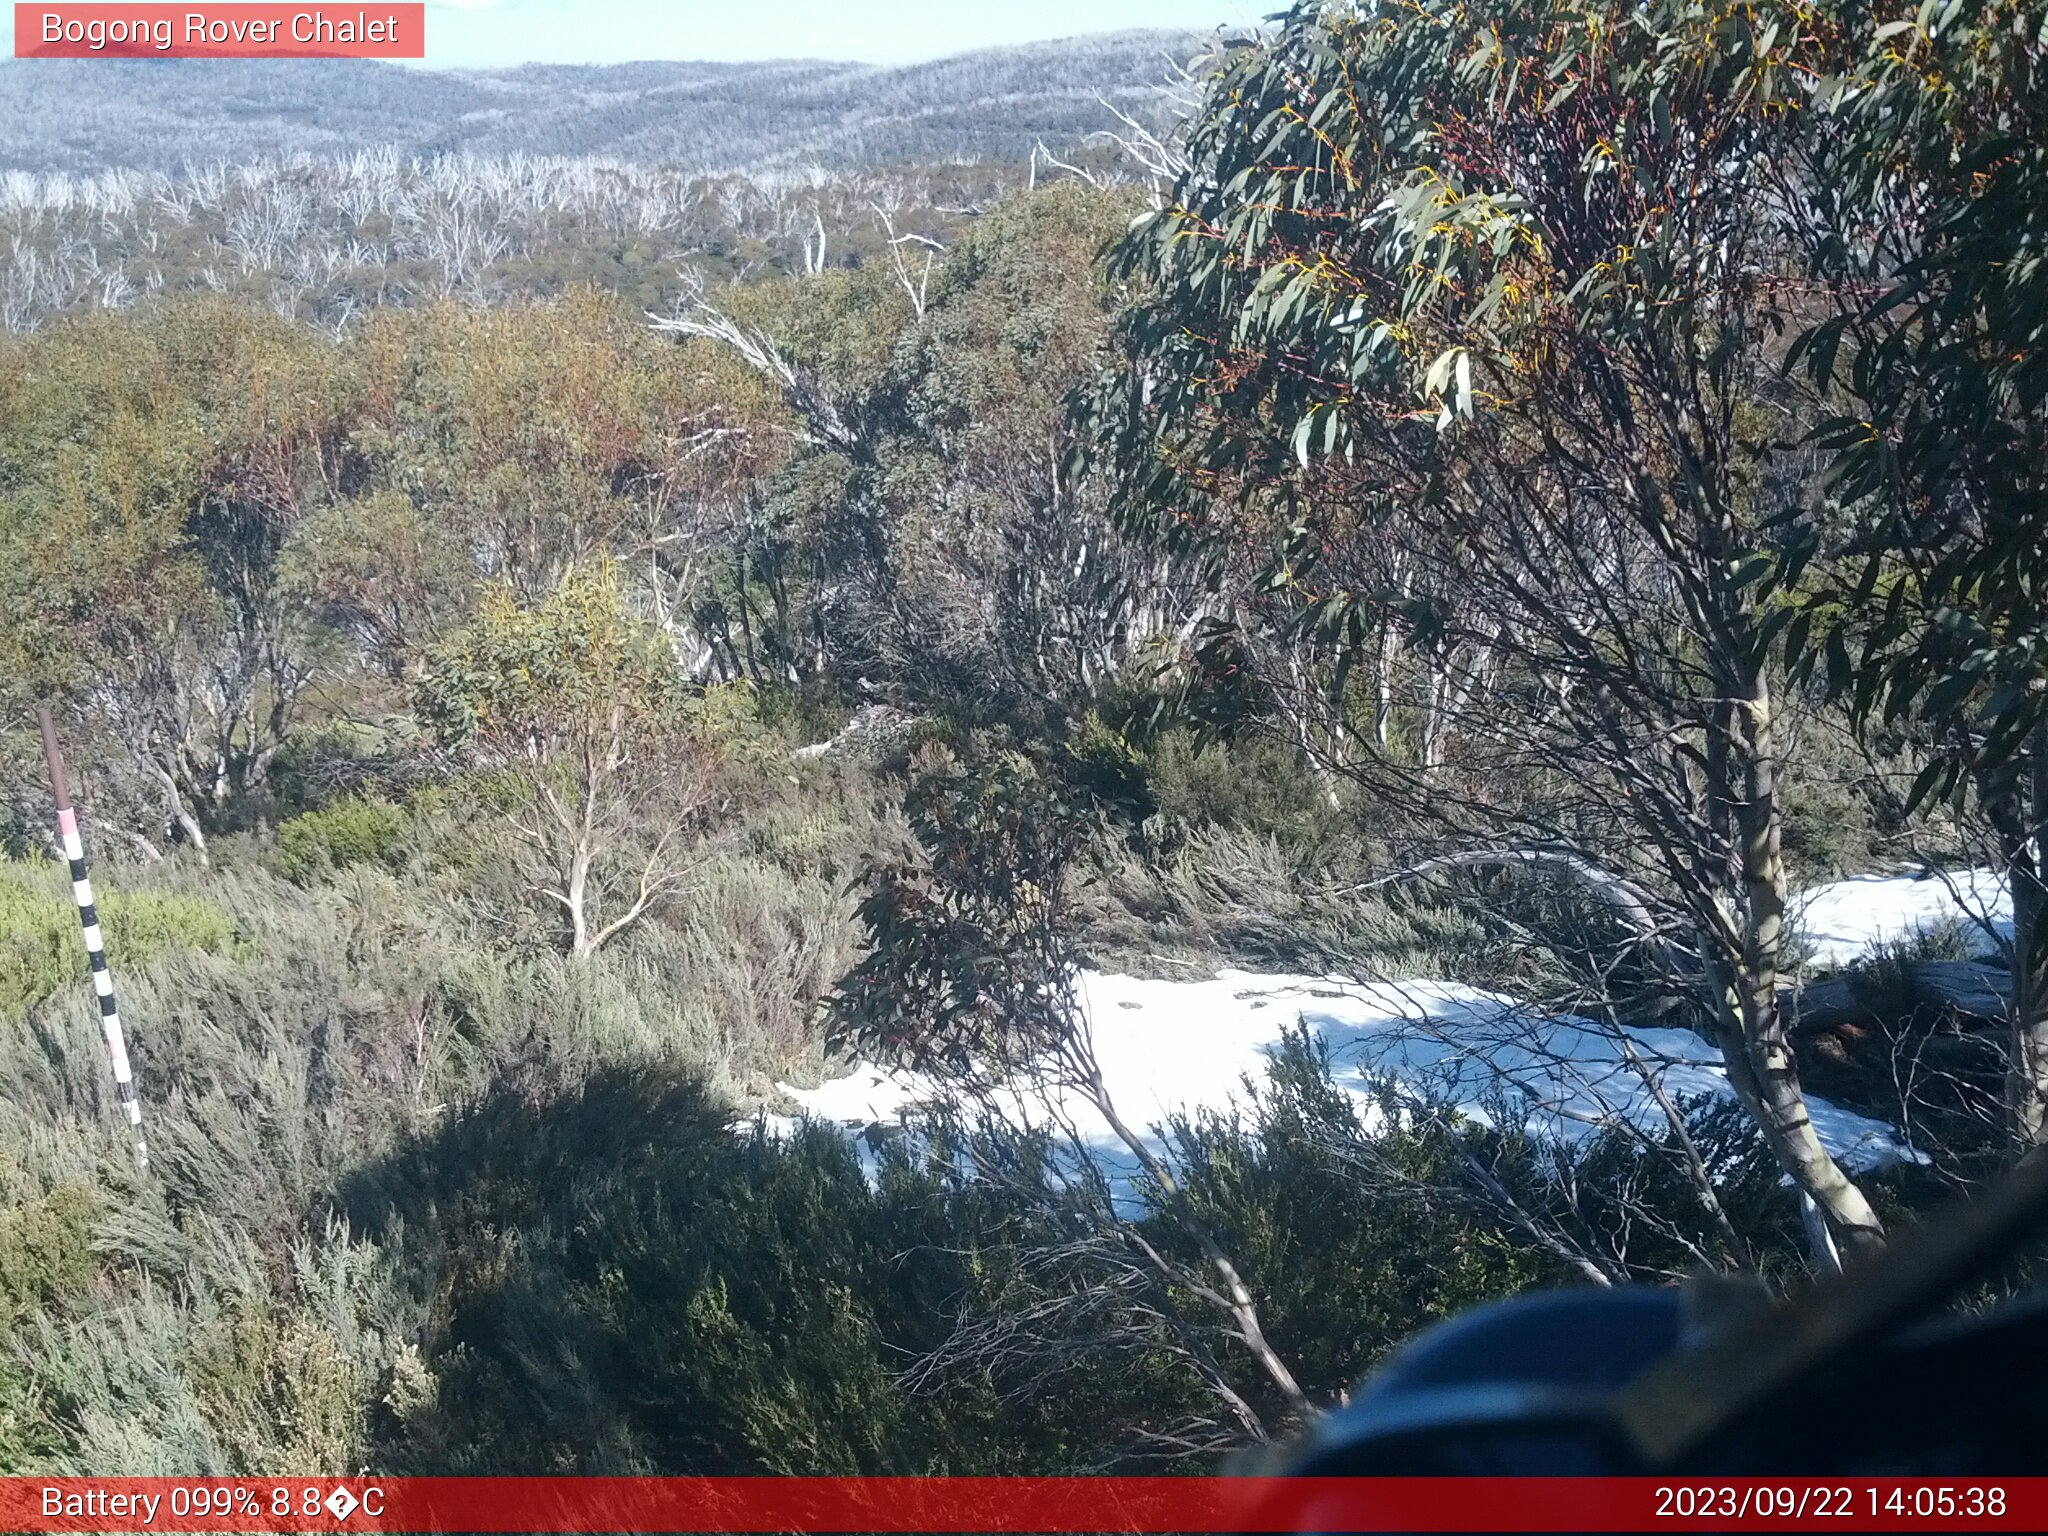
[1462, 364]
[1926, 234]
[157, 484]
[577, 704]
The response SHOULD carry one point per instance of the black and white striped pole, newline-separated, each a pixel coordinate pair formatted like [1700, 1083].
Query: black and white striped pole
[95, 943]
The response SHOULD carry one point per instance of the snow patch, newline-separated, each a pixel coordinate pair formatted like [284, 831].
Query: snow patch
[1848, 919]
[1171, 1048]
[1179, 1047]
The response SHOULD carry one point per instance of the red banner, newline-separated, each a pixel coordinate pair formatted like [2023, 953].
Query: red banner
[1019, 1504]
[102, 31]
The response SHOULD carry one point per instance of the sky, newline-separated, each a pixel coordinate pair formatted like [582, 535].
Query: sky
[482, 34]
[472, 33]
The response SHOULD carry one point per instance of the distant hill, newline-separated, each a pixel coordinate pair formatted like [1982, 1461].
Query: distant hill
[87, 115]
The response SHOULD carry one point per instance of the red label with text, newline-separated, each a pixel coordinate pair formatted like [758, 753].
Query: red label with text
[220, 31]
[1020, 1504]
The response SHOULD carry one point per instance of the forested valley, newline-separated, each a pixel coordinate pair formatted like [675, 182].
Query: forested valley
[1481, 533]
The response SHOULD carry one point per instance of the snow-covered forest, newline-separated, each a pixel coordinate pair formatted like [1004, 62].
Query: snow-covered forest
[322, 189]
[324, 240]
[764, 119]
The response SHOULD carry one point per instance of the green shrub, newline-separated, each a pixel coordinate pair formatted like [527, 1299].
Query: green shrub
[282, 1390]
[1247, 898]
[624, 1283]
[46, 1258]
[47, 1269]
[40, 949]
[1827, 830]
[1247, 785]
[336, 836]
[1107, 767]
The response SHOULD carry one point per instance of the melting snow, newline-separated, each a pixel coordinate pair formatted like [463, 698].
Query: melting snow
[1169, 1047]
[1181, 1047]
[1849, 918]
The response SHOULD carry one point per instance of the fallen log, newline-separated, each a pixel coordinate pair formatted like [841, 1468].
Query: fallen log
[1968, 988]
